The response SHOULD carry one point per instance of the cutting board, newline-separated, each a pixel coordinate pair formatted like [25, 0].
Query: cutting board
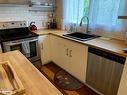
[10, 84]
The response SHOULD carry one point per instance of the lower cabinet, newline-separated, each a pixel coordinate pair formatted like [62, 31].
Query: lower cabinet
[70, 55]
[44, 47]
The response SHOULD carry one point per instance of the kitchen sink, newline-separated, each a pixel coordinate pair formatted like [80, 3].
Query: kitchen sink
[80, 36]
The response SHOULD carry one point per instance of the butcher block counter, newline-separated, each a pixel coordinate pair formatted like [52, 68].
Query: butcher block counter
[33, 81]
[110, 45]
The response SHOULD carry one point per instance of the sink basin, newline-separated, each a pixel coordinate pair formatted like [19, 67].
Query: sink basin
[80, 36]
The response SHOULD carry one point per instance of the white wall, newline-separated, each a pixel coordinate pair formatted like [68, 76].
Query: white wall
[59, 12]
[22, 14]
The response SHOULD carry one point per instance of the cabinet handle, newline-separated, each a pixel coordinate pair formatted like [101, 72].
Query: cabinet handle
[67, 51]
[70, 55]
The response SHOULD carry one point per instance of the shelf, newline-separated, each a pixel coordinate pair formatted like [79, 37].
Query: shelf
[42, 7]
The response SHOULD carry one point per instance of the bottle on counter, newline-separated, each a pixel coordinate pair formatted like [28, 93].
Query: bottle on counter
[52, 24]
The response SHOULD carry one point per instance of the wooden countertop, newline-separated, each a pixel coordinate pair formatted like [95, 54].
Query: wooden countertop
[112, 45]
[47, 31]
[34, 82]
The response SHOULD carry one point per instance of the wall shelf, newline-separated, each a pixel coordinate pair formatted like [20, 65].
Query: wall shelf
[42, 6]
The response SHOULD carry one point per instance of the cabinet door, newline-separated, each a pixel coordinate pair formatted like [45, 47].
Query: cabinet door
[64, 54]
[54, 49]
[44, 44]
[59, 51]
[78, 60]
[71, 56]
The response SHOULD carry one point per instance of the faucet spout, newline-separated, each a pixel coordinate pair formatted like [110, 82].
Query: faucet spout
[87, 28]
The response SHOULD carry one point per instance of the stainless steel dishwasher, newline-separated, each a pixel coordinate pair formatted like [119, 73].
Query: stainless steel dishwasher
[104, 71]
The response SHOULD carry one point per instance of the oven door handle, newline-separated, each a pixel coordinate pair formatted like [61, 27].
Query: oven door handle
[11, 44]
[19, 42]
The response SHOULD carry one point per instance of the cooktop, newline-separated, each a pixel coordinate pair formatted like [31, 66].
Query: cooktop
[16, 34]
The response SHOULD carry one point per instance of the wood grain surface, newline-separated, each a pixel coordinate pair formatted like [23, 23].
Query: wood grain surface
[33, 81]
[9, 80]
[113, 45]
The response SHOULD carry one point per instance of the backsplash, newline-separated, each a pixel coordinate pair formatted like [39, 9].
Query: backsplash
[23, 14]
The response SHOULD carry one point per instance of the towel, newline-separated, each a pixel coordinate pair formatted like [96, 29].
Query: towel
[26, 48]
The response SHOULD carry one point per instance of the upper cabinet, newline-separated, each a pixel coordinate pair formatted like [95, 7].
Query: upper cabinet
[18, 2]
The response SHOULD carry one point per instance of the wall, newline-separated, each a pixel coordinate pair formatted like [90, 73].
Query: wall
[59, 13]
[22, 13]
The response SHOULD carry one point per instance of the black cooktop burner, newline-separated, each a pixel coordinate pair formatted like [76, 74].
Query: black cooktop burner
[16, 34]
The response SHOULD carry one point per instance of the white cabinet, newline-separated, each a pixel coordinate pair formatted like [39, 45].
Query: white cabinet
[78, 60]
[44, 46]
[70, 55]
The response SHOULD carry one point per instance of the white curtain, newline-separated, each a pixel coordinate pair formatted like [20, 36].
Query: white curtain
[73, 11]
[103, 15]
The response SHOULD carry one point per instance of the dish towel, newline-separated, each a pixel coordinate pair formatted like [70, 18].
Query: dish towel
[26, 49]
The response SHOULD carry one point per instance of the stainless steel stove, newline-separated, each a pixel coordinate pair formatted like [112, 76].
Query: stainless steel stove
[16, 35]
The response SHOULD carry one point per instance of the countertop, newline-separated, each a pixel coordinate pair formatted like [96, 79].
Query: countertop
[47, 31]
[111, 45]
[34, 82]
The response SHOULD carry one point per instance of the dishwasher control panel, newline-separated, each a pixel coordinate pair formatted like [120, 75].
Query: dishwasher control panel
[107, 55]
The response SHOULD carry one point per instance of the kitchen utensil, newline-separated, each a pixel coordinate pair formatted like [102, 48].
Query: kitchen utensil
[32, 26]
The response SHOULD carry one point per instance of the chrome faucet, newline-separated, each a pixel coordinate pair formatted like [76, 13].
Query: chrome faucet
[87, 28]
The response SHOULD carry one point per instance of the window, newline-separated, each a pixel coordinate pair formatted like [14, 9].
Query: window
[86, 8]
[102, 13]
[74, 10]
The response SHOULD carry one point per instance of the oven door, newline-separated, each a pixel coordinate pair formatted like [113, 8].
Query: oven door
[28, 47]
[34, 51]
[11, 46]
